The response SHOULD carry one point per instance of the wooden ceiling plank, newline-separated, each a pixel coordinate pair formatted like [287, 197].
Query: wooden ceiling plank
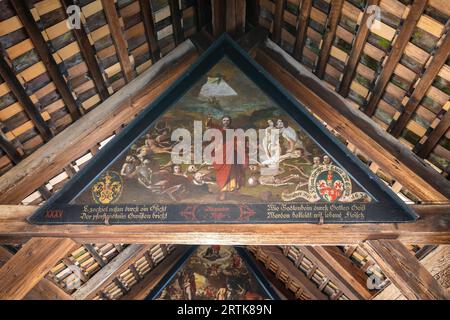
[115, 267]
[24, 13]
[435, 136]
[28, 266]
[112, 17]
[276, 255]
[392, 157]
[94, 127]
[339, 269]
[88, 53]
[422, 87]
[433, 227]
[149, 26]
[405, 271]
[330, 33]
[28, 106]
[302, 27]
[175, 16]
[357, 49]
[142, 289]
[395, 55]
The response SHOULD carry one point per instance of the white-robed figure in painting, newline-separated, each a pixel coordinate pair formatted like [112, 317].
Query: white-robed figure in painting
[216, 86]
[290, 135]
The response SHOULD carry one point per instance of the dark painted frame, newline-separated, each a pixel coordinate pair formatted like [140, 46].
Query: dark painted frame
[251, 266]
[386, 206]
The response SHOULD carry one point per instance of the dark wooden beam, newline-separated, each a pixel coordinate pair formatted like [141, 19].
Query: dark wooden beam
[114, 268]
[340, 270]
[149, 26]
[202, 17]
[28, 266]
[230, 20]
[395, 55]
[405, 271]
[433, 227]
[109, 8]
[241, 13]
[276, 255]
[305, 11]
[393, 158]
[252, 12]
[435, 136]
[278, 20]
[25, 16]
[422, 87]
[142, 289]
[357, 48]
[253, 39]
[9, 149]
[97, 125]
[19, 92]
[333, 19]
[88, 53]
[218, 12]
[175, 15]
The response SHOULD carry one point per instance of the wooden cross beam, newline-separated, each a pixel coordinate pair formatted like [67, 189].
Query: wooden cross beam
[28, 266]
[405, 271]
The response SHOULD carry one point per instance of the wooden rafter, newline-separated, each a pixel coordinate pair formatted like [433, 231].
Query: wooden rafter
[9, 149]
[404, 270]
[175, 15]
[302, 28]
[109, 8]
[278, 20]
[357, 49]
[391, 156]
[422, 87]
[395, 55]
[339, 269]
[241, 13]
[88, 53]
[274, 254]
[141, 290]
[200, 6]
[25, 16]
[149, 26]
[96, 126]
[218, 9]
[230, 20]
[19, 92]
[435, 136]
[332, 23]
[115, 267]
[27, 267]
[431, 228]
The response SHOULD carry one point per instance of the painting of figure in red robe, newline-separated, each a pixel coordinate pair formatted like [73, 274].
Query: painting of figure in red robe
[224, 142]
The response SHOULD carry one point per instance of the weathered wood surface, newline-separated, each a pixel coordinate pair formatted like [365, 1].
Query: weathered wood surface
[432, 228]
[74, 141]
[47, 290]
[28, 266]
[388, 153]
[405, 271]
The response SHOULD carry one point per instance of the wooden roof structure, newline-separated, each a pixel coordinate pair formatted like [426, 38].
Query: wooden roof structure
[382, 89]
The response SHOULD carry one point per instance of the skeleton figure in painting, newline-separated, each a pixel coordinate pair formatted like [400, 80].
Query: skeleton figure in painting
[229, 177]
[271, 145]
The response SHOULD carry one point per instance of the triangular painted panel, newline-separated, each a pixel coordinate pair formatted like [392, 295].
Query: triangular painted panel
[292, 169]
[214, 273]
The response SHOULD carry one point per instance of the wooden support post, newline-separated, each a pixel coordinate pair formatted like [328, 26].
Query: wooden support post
[305, 11]
[422, 87]
[28, 106]
[278, 20]
[241, 12]
[397, 51]
[339, 269]
[25, 16]
[109, 8]
[218, 9]
[176, 17]
[202, 20]
[115, 267]
[332, 23]
[149, 26]
[404, 270]
[88, 53]
[27, 267]
[357, 48]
